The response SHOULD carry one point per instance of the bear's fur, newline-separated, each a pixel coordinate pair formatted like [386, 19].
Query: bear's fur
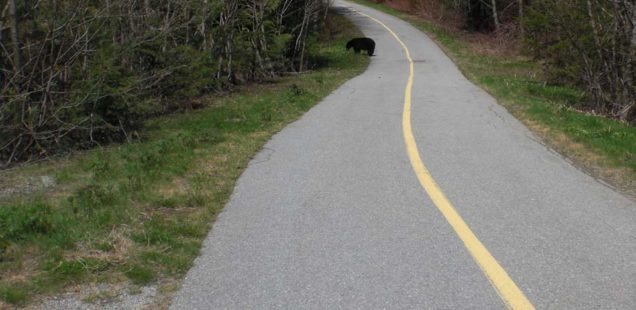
[358, 44]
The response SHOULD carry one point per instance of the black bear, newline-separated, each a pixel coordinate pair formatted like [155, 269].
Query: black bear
[358, 44]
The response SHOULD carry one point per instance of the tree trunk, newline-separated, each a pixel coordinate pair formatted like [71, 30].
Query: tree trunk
[629, 91]
[521, 30]
[633, 5]
[203, 21]
[495, 17]
[13, 15]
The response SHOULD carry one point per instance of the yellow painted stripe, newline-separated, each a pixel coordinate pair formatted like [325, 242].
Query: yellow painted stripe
[512, 296]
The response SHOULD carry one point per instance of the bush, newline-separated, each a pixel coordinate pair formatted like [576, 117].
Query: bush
[589, 44]
[101, 69]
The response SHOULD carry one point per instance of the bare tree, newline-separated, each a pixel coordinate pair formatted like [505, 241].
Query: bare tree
[495, 18]
[13, 16]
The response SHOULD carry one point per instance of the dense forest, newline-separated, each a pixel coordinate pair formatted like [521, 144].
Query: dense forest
[590, 44]
[80, 73]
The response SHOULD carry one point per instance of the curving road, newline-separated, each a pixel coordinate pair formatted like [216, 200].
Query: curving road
[331, 215]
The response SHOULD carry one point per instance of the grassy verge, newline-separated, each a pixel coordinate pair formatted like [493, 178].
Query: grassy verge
[606, 148]
[138, 212]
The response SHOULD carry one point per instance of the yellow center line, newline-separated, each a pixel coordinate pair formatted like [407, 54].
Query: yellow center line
[512, 296]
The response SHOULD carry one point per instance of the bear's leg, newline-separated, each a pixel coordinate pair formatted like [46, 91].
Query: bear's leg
[356, 50]
[370, 51]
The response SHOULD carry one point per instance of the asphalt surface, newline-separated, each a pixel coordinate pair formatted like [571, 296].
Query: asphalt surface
[330, 215]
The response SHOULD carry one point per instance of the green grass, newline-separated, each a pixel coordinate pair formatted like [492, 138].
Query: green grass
[605, 147]
[139, 274]
[139, 212]
[14, 294]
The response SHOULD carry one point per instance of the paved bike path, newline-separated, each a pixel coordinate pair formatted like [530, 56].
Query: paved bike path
[331, 215]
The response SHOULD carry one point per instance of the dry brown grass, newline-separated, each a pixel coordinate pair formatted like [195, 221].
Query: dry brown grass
[504, 43]
[27, 269]
[586, 159]
[178, 186]
[118, 244]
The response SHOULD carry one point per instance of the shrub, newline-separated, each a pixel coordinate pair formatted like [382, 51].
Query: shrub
[590, 44]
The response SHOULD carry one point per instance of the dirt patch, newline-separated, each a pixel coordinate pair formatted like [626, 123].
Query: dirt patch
[21, 185]
[106, 296]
